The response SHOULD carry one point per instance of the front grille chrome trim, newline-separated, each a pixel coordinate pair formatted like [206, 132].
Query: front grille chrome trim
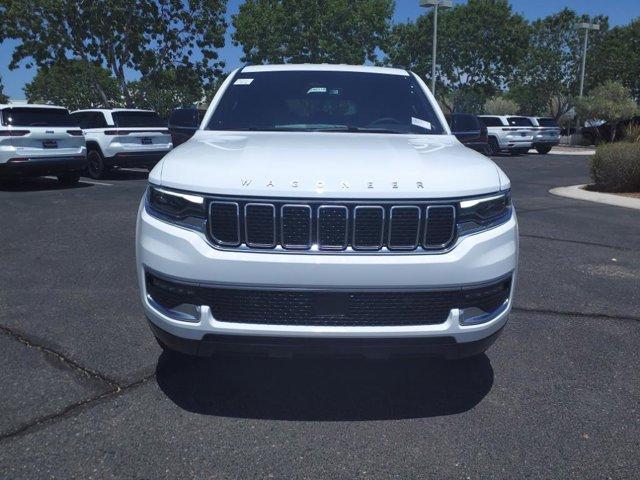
[405, 207]
[213, 236]
[293, 246]
[404, 217]
[273, 220]
[355, 223]
[344, 245]
[431, 208]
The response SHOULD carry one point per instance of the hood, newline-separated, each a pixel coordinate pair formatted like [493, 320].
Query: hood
[327, 165]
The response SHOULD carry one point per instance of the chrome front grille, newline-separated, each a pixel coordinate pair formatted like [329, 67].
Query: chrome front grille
[351, 226]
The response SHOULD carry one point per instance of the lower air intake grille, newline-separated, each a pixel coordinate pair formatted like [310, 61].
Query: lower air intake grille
[291, 307]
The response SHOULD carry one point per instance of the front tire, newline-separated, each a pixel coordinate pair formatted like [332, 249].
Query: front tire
[493, 148]
[543, 150]
[95, 165]
[69, 179]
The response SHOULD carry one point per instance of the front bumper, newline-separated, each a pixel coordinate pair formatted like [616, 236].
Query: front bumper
[38, 166]
[135, 159]
[186, 256]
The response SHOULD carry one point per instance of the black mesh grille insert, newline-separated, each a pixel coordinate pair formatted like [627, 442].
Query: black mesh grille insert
[296, 226]
[260, 225]
[332, 227]
[224, 223]
[439, 226]
[404, 227]
[273, 307]
[368, 227]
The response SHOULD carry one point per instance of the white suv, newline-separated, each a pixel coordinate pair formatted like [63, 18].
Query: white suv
[312, 213]
[509, 133]
[40, 140]
[546, 134]
[122, 137]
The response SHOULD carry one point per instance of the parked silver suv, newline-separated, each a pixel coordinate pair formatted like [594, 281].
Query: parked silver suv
[547, 134]
[508, 133]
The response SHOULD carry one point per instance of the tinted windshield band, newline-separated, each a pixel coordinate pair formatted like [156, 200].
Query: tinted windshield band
[329, 101]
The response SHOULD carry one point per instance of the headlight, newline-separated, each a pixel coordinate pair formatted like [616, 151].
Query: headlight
[184, 209]
[483, 213]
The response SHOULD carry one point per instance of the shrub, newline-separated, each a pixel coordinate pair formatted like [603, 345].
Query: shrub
[632, 133]
[615, 167]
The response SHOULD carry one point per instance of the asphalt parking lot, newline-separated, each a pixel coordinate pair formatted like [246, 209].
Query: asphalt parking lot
[85, 392]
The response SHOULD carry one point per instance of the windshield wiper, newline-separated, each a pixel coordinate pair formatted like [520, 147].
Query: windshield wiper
[351, 128]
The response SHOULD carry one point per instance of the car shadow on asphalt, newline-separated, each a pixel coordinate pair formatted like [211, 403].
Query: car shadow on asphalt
[120, 174]
[316, 389]
[38, 184]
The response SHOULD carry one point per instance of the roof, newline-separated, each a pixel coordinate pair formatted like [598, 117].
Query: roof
[324, 67]
[28, 105]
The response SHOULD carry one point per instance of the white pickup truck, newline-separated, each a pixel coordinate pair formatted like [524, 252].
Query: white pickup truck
[508, 133]
[122, 137]
[40, 140]
[311, 214]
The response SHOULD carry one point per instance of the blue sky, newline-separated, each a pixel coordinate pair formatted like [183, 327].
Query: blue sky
[620, 12]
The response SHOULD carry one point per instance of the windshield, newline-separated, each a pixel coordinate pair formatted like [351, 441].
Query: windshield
[325, 101]
[137, 119]
[547, 122]
[520, 122]
[38, 117]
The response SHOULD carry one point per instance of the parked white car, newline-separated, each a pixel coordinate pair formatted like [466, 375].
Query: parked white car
[311, 214]
[122, 137]
[508, 133]
[40, 140]
[546, 134]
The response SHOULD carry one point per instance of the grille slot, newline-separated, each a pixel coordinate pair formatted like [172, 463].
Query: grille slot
[368, 228]
[439, 226]
[352, 226]
[296, 226]
[260, 225]
[332, 227]
[404, 227]
[225, 223]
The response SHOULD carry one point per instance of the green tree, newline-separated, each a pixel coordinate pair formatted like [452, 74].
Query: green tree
[611, 102]
[144, 36]
[3, 97]
[501, 105]
[479, 45]
[166, 90]
[617, 56]
[547, 76]
[70, 83]
[297, 31]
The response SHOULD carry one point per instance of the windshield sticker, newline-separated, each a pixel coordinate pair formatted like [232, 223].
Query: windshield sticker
[317, 90]
[243, 81]
[420, 123]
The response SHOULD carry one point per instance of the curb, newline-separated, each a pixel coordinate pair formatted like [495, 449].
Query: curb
[577, 192]
[576, 151]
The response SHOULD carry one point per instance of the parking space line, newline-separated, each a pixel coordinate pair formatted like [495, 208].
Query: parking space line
[92, 182]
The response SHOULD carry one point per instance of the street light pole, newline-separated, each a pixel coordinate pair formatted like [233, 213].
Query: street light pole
[586, 27]
[436, 4]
